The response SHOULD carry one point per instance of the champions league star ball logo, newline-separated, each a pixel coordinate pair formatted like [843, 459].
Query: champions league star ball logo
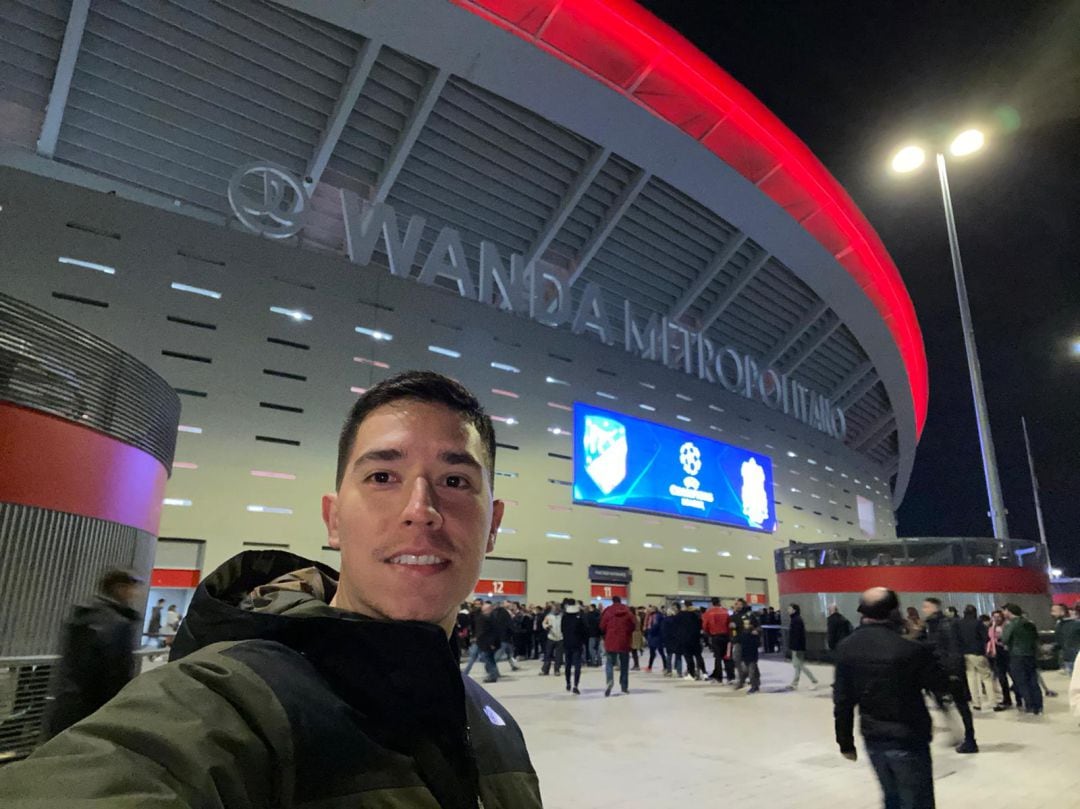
[755, 501]
[605, 447]
[690, 458]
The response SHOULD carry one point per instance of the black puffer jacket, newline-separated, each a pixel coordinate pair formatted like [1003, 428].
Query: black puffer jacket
[973, 636]
[884, 675]
[96, 660]
[942, 635]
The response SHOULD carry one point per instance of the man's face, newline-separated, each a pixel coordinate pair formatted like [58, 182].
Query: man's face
[1008, 615]
[929, 608]
[414, 516]
[1057, 611]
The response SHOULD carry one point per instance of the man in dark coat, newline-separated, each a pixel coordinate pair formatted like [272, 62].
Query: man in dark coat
[291, 686]
[837, 627]
[797, 646]
[96, 651]
[885, 675]
[942, 635]
[592, 634]
[688, 640]
[974, 639]
[573, 634]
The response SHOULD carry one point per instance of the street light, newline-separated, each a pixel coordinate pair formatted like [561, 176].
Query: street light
[909, 159]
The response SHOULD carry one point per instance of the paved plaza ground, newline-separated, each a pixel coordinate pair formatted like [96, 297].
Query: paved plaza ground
[674, 743]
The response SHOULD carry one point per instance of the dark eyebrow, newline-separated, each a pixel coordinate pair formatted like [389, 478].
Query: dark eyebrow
[448, 457]
[460, 459]
[380, 455]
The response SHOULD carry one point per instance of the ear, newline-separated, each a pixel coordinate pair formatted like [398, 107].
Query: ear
[330, 519]
[497, 511]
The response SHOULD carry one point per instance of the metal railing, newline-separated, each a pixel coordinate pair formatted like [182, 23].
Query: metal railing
[949, 551]
[24, 698]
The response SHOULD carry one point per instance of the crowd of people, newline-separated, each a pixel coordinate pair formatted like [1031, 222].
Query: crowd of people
[990, 660]
[573, 634]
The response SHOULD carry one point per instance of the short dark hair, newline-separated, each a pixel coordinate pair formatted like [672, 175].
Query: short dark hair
[932, 600]
[421, 386]
[715, 601]
[1015, 609]
[795, 608]
[116, 577]
[970, 610]
[616, 600]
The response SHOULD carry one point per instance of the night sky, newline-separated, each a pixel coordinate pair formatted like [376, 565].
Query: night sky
[854, 81]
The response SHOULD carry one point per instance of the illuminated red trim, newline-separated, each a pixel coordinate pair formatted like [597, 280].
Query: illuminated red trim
[51, 463]
[182, 578]
[624, 46]
[914, 579]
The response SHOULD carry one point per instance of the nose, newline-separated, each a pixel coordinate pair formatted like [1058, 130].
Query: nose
[421, 509]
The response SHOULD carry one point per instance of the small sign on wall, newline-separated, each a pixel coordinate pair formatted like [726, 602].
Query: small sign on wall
[500, 587]
[607, 591]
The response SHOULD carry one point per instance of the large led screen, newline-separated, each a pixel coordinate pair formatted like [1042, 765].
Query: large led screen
[628, 463]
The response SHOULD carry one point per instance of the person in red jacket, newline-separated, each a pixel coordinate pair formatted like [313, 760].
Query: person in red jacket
[617, 625]
[717, 627]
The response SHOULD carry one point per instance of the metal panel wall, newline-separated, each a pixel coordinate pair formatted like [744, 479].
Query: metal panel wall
[49, 561]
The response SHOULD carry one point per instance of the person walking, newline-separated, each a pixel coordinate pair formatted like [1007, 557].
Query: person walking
[973, 641]
[97, 646]
[553, 647]
[573, 634]
[797, 647]
[837, 627]
[654, 636]
[592, 635]
[671, 644]
[688, 640]
[637, 641]
[488, 640]
[716, 623]
[885, 675]
[740, 616]
[153, 628]
[617, 625]
[999, 655]
[1066, 636]
[504, 626]
[942, 635]
[1021, 638]
[749, 641]
[539, 634]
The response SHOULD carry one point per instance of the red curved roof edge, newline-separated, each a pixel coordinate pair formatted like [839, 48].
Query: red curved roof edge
[624, 46]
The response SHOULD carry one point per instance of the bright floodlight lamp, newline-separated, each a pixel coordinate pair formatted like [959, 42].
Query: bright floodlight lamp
[967, 142]
[908, 159]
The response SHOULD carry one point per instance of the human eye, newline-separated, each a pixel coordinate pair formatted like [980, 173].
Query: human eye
[458, 482]
[379, 477]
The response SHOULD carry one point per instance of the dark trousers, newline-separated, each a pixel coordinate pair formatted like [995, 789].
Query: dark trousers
[1026, 678]
[573, 662]
[1001, 671]
[539, 641]
[655, 649]
[553, 652]
[905, 772]
[695, 663]
[719, 644]
[624, 669]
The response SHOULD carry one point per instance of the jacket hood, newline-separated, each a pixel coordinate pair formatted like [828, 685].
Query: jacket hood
[400, 677]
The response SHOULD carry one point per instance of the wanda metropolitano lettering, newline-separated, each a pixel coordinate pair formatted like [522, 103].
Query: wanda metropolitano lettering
[539, 290]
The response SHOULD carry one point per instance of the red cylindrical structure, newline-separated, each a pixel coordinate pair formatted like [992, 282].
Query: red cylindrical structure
[87, 435]
[985, 573]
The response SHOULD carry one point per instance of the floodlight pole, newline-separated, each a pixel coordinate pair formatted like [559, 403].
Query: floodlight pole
[982, 416]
